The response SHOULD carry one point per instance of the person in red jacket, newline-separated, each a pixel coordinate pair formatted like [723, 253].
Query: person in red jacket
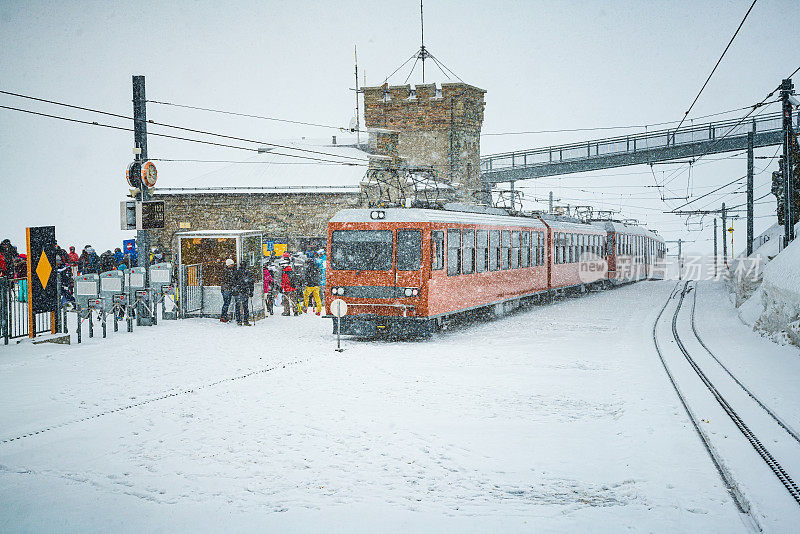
[289, 289]
[2, 265]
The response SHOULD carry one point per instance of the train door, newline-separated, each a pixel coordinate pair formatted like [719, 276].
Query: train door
[408, 261]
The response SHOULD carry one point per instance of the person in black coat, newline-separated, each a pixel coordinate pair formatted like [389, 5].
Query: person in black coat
[243, 281]
[227, 287]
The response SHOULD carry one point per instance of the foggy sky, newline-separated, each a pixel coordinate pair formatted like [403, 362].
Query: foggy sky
[545, 65]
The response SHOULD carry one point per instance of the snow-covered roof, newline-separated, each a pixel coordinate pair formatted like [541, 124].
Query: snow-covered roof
[336, 168]
[217, 233]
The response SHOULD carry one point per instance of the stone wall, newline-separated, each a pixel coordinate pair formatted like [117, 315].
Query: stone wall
[279, 214]
[438, 127]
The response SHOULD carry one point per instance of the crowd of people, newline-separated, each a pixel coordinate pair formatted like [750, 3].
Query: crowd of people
[295, 281]
[70, 264]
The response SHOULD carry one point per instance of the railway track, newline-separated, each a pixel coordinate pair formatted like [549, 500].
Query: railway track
[704, 371]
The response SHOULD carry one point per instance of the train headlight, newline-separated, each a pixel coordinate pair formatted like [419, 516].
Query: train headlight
[341, 291]
[337, 291]
[415, 292]
[408, 292]
[377, 214]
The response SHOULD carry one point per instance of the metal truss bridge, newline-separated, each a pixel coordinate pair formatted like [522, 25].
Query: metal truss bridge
[650, 147]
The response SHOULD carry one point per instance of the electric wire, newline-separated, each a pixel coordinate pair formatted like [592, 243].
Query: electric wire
[168, 136]
[717, 64]
[248, 115]
[183, 128]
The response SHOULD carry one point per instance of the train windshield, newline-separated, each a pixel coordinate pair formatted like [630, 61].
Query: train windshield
[361, 250]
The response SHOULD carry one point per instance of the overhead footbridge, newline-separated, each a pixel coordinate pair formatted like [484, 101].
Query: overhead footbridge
[644, 148]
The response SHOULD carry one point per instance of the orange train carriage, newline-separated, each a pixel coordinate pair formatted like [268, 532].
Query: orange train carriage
[403, 271]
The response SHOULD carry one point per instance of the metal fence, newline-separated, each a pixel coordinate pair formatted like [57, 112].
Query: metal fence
[14, 311]
[191, 289]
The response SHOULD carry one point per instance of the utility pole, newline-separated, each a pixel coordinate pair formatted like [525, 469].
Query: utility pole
[550, 209]
[140, 140]
[787, 89]
[749, 193]
[358, 119]
[724, 228]
[715, 247]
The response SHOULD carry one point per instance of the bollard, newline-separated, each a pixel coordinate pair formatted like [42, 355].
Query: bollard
[79, 324]
[104, 324]
[91, 324]
[116, 319]
[64, 320]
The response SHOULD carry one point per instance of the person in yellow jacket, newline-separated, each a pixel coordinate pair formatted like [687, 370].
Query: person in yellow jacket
[312, 276]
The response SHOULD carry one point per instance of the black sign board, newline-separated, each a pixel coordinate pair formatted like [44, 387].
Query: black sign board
[152, 214]
[42, 290]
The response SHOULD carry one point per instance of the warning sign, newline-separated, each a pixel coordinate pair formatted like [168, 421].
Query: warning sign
[42, 293]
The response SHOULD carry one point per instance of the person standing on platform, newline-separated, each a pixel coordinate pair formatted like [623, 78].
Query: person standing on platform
[243, 282]
[312, 276]
[227, 286]
[289, 289]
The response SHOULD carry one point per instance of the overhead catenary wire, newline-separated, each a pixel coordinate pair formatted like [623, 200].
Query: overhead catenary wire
[627, 127]
[717, 64]
[248, 115]
[157, 134]
[183, 128]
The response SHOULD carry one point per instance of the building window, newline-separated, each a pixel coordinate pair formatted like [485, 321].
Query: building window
[494, 250]
[453, 252]
[437, 250]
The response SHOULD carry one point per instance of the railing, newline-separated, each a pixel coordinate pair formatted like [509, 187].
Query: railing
[14, 311]
[632, 143]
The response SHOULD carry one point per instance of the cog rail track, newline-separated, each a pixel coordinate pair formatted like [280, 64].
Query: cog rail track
[759, 447]
[789, 430]
[738, 498]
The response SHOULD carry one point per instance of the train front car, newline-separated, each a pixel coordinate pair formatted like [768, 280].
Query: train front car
[408, 271]
[375, 265]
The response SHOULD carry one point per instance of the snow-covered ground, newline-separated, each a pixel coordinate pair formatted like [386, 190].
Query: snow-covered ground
[558, 418]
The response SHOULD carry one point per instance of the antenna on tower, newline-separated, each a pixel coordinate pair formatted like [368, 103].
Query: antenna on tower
[423, 54]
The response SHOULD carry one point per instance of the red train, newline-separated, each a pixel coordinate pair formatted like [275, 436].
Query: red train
[405, 271]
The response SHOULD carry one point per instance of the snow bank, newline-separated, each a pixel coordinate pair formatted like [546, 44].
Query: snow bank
[780, 296]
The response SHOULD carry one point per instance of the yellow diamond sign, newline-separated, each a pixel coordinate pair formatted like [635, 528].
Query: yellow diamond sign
[43, 270]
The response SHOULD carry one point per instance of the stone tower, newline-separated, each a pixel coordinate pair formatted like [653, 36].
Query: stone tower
[438, 127]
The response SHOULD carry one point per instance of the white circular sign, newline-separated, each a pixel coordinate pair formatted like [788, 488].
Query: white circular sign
[339, 308]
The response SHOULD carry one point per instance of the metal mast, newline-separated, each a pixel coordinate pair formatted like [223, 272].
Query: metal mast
[423, 53]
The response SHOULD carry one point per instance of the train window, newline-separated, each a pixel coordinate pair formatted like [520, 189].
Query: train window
[361, 250]
[494, 250]
[540, 260]
[437, 250]
[525, 260]
[505, 249]
[482, 253]
[409, 250]
[468, 261]
[515, 249]
[568, 251]
[453, 252]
